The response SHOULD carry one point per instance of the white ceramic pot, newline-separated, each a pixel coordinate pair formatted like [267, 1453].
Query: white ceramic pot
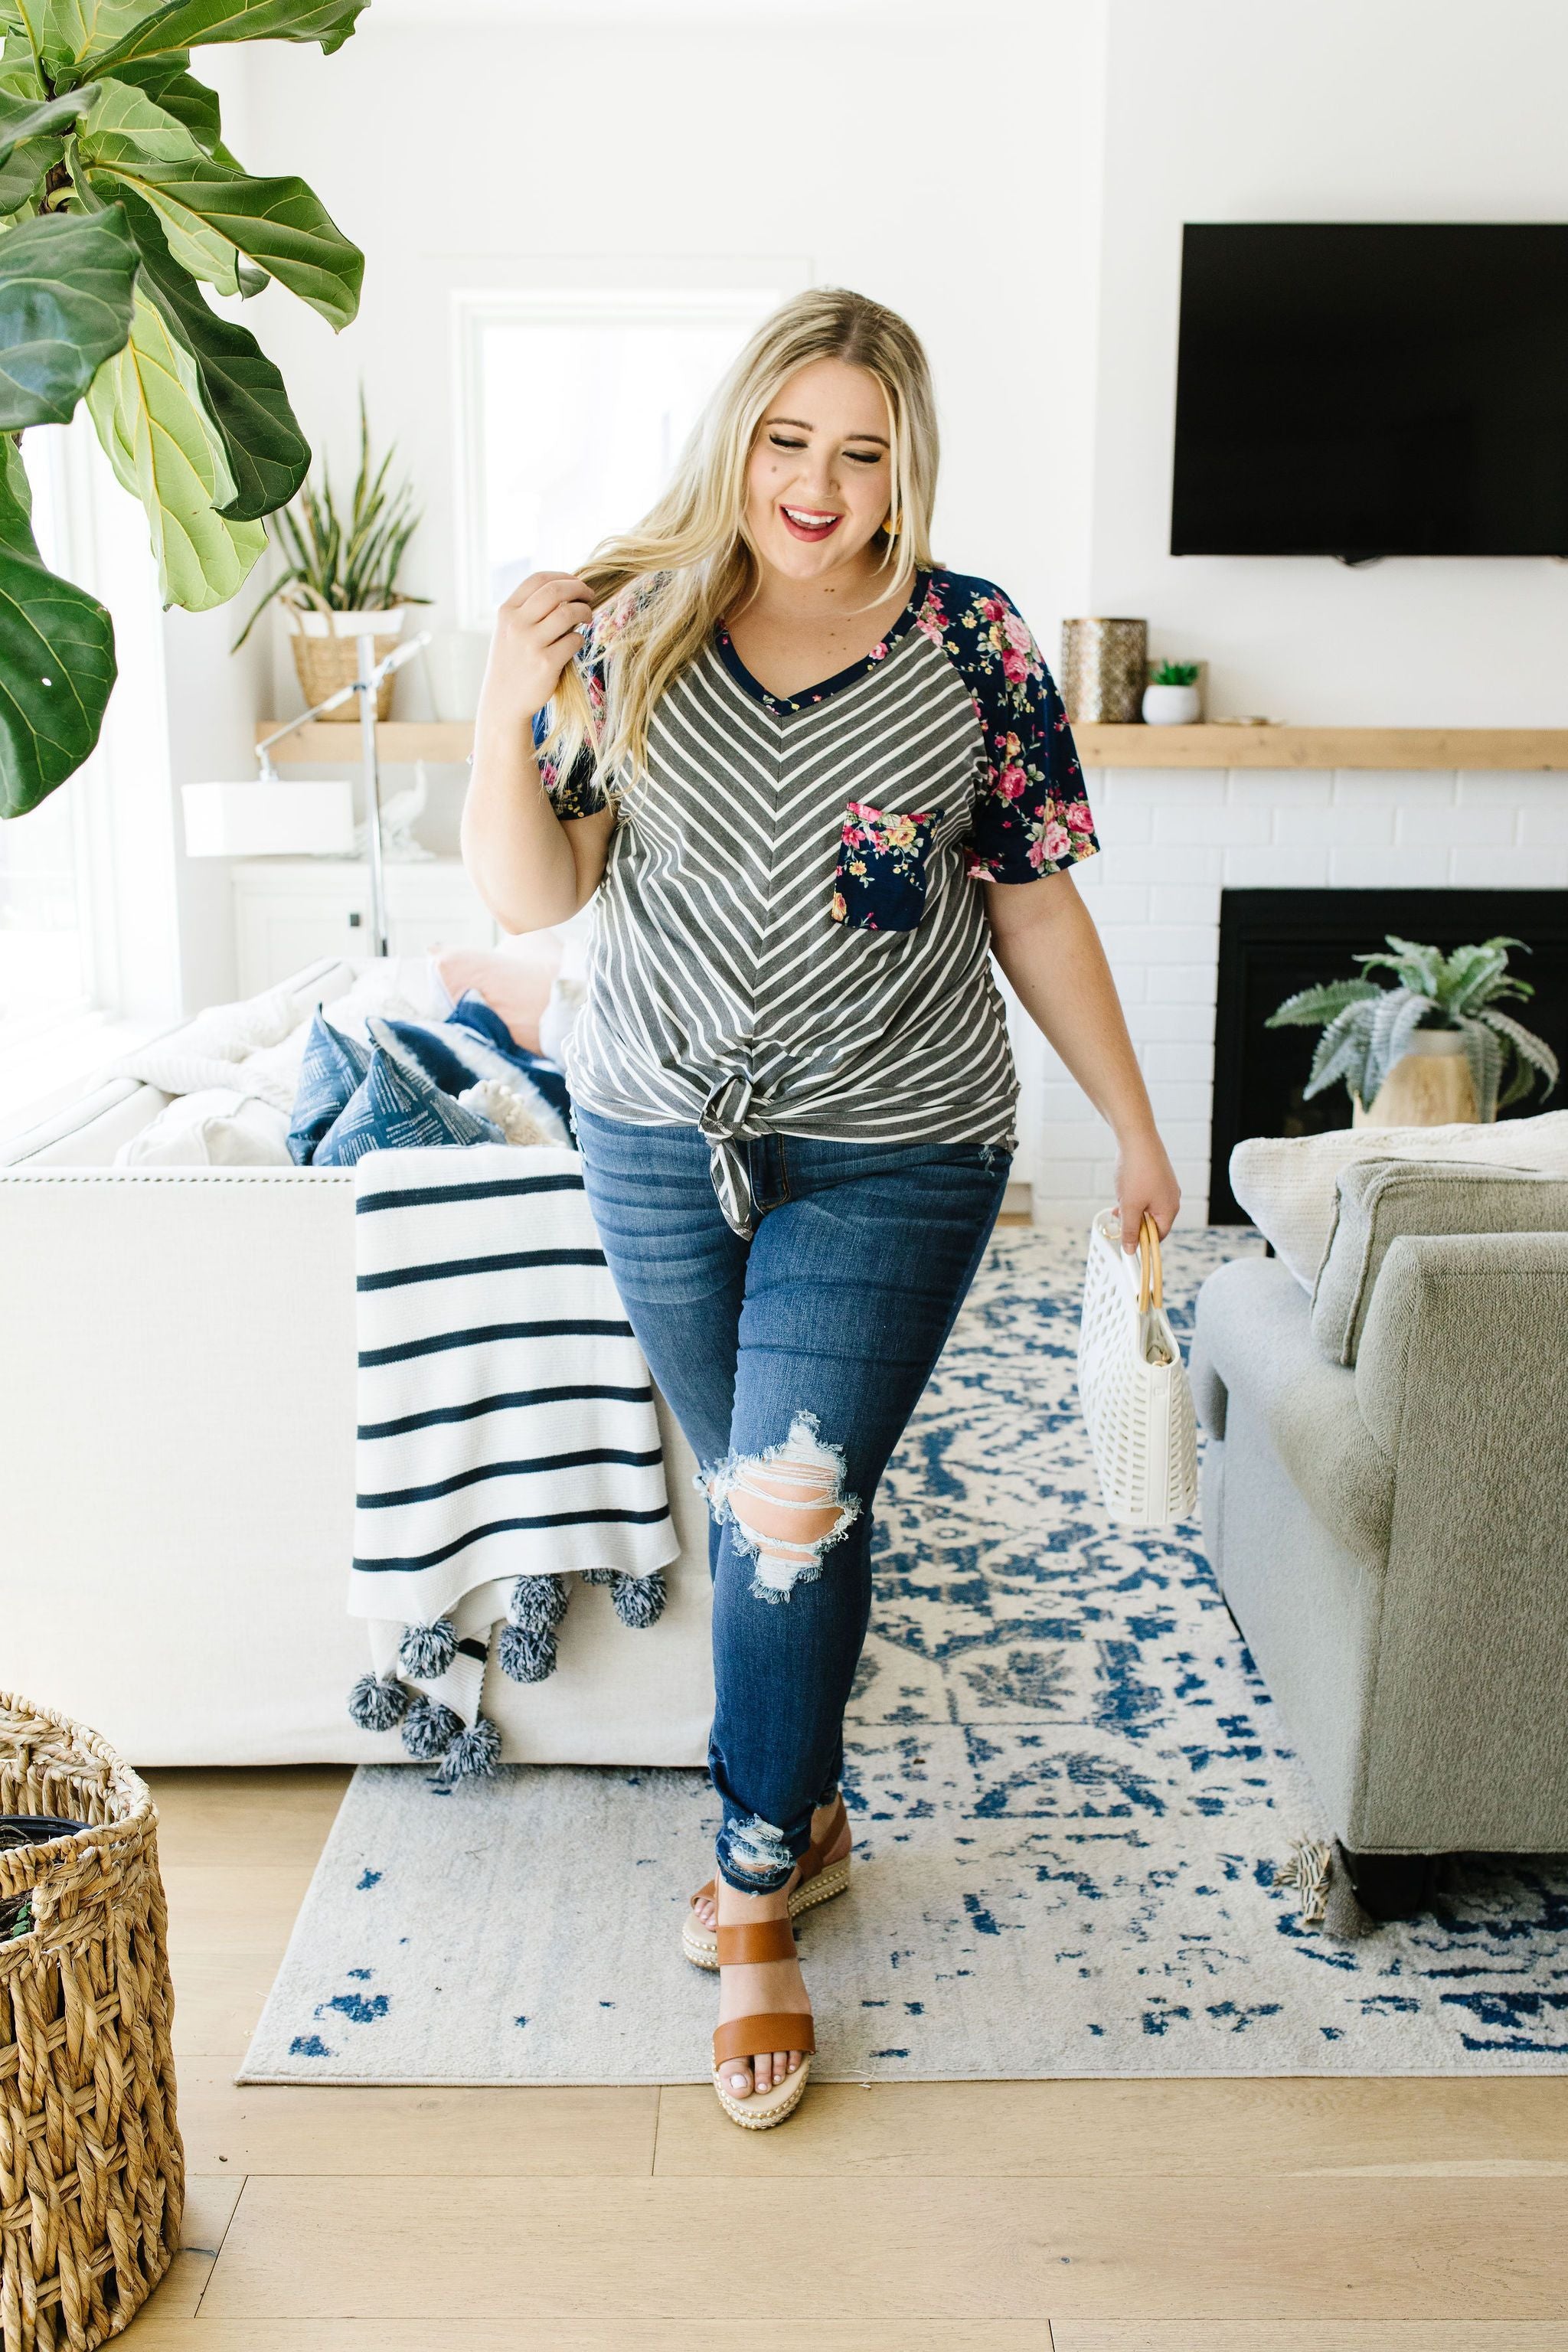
[1171, 706]
[311, 624]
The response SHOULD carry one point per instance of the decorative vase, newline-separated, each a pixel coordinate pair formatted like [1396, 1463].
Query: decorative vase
[326, 655]
[1429, 1086]
[1105, 668]
[1171, 705]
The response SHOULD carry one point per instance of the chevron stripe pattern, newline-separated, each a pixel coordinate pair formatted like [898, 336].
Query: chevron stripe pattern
[724, 994]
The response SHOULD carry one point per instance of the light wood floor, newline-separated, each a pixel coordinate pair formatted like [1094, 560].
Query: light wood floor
[1291, 2215]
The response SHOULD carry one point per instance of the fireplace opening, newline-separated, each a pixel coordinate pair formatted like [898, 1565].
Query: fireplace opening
[1272, 942]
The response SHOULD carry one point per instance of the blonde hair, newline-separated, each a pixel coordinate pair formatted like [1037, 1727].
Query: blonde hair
[669, 581]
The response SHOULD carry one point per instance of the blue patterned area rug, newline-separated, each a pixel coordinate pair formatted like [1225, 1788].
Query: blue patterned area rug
[1070, 1794]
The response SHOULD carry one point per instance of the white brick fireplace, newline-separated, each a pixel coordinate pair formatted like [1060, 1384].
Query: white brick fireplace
[1172, 839]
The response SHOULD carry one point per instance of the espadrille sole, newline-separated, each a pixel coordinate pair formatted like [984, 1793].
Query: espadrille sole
[700, 1945]
[761, 2113]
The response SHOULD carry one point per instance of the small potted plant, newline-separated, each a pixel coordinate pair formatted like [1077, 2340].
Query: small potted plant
[341, 581]
[1171, 698]
[1434, 1048]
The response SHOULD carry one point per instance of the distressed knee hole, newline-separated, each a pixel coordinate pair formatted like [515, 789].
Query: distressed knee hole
[786, 1505]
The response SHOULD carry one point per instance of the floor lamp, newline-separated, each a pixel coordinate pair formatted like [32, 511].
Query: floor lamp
[270, 818]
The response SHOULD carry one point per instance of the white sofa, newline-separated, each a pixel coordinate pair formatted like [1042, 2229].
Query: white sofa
[176, 1475]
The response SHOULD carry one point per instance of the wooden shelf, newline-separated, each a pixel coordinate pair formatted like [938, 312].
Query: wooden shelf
[1518, 748]
[396, 739]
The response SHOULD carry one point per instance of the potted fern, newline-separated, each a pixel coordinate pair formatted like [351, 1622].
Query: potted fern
[341, 578]
[1435, 1047]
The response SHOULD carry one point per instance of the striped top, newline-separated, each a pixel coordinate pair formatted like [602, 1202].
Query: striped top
[788, 938]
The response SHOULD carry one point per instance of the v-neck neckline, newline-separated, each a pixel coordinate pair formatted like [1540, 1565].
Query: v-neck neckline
[809, 695]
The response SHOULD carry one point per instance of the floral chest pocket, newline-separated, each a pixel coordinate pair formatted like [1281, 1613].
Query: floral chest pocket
[880, 882]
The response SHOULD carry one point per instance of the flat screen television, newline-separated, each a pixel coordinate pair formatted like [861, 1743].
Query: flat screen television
[1360, 390]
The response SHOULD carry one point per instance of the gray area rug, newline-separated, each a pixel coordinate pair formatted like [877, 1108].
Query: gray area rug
[1070, 1794]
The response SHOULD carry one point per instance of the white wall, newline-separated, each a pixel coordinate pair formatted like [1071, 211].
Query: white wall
[955, 178]
[1347, 109]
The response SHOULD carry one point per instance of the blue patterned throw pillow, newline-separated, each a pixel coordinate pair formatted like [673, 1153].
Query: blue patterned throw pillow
[472, 1012]
[397, 1106]
[475, 1042]
[333, 1068]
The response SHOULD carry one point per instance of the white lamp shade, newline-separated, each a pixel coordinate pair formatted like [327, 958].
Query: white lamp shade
[270, 818]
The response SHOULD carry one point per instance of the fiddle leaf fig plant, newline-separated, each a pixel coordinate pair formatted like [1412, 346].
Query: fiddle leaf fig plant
[120, 202]
[1366, 1028]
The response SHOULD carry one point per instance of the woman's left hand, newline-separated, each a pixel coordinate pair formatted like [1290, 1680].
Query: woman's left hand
[1145, 1180]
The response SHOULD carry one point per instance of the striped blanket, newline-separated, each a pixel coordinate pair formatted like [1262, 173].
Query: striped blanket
[507, 1437]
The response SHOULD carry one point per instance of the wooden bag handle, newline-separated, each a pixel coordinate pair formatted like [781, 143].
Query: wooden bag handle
[1151, 1274]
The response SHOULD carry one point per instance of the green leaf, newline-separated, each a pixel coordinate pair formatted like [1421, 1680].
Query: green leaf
[192, 104]
[143, 147]
[66, 286]
[22, 118]
[57, 661]
[1531, 1054]
[246, 400]
[1485, 1056]
[1415, 967]
[1342, 1051]
[70, 32]
[1310, 1006]
[147, 405]
[196, 24]
[211, 211]
[23, 173]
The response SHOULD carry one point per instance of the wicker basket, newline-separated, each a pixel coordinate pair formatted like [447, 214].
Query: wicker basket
[92, 2168]
[325, 664]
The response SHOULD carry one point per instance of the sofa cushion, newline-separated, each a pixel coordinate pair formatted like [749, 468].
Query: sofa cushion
[1287, 1184]
[1253, 1342]
[1378, 1200]
[397, 1104]
[215, 1127]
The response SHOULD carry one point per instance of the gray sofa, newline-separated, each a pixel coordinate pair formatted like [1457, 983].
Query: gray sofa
[1385, 1504]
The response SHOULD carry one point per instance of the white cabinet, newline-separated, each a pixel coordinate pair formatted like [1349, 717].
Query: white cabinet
[288, 911]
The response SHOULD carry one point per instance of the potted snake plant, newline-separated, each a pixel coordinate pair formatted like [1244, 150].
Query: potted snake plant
[340, 580]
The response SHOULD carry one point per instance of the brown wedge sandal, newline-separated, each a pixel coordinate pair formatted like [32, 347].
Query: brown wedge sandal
[818, 1881]
[744, 2037]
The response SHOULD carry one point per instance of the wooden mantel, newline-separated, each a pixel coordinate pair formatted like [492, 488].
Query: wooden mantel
[1322, 746]
[1518, 747]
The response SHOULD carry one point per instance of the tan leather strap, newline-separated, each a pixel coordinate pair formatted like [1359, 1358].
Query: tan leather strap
[758, 1939]
[811, 1861]
[748, 2037]
[708, 1894]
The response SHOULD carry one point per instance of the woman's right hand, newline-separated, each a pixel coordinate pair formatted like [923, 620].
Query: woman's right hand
[537, 632]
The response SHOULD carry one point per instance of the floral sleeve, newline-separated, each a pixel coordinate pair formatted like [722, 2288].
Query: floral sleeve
[579, 792]
[1031, 815]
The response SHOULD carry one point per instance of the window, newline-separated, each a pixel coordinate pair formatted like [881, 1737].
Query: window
[574, 409]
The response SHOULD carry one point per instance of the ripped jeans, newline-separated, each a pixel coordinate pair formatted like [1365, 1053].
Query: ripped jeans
[792, 1361]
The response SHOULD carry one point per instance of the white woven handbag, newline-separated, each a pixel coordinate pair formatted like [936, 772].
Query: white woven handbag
[1136, 1402]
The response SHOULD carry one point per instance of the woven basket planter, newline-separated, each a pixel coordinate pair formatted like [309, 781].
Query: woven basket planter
[324, 663]
[92, 2168]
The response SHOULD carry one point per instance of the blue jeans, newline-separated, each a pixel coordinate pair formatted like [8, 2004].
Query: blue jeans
[792, 1361]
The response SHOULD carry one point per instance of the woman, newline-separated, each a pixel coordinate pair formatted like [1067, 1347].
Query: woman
[816, 783]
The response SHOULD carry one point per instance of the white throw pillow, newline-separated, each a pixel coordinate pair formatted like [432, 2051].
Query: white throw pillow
[1288, 1184]
[214, 1129]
